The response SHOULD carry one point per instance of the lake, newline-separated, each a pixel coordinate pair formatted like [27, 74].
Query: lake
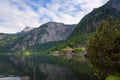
[43, 67]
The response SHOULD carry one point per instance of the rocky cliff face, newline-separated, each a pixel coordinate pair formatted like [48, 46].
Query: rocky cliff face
[48, 32]
[56, 32]
[27, 29]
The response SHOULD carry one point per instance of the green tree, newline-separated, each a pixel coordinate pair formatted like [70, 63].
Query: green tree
[76, 50]
[104, 49]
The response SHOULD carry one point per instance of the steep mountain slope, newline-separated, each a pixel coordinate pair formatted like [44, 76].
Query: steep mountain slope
[93, 19]
[48, 32]
[89, 23]
[114, 4]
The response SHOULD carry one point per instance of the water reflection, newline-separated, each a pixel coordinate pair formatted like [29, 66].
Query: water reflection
[15, 78]
[10, 78]
[53, 72]
[37, 68]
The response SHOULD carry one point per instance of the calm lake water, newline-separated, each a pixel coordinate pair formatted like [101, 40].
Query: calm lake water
[37, 68]
[42, 68]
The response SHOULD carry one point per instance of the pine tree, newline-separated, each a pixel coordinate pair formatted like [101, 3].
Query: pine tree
[104, 48]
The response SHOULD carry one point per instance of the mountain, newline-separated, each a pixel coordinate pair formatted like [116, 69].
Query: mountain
[93, 19]
[114, 4]
[2, 35]
[48, 32]
[89, 23]
[27, 29]
[72, 35]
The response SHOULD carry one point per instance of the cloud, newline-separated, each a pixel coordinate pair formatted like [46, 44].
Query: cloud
[17, 14]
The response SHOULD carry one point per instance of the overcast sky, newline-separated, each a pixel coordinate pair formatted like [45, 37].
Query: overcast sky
[17, 14]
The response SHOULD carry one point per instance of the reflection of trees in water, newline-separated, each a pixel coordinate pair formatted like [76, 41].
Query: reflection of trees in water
[27, 68]
[7, 67]
[48, 68]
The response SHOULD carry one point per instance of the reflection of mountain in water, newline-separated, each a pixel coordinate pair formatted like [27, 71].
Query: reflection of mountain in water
[15, 78]
[34, 68]
[53, 72]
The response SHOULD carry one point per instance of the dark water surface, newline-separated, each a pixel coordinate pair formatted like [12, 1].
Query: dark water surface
[43, 67]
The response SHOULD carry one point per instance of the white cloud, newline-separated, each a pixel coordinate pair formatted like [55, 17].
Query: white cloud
[14, 19]
[17, 14]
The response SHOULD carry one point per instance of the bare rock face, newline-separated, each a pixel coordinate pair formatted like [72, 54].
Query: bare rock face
[48, 32]
[56, 32]
[27, 29]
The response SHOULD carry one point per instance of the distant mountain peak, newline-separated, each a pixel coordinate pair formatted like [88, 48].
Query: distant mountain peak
[58, 24]
[54, 23]
[27, 29]
[48, 32]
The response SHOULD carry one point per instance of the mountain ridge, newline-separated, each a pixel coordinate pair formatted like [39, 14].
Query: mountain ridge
[27, 29]
[48, 32]
[89, 23]
[72, 35]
